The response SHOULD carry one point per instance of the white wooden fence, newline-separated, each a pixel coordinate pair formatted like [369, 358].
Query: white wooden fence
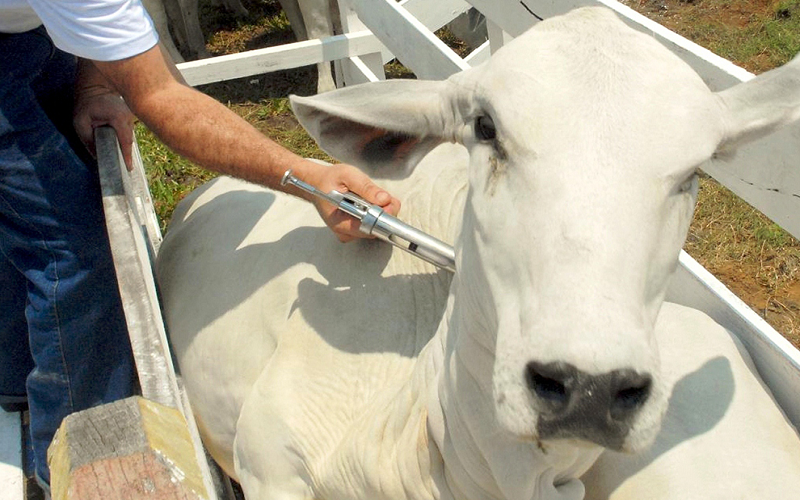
[767, 174]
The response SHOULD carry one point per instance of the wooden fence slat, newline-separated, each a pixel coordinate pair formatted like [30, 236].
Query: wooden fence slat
[134, 235]
[358, 69]
[436, 14]
[433, 15]
[136, 283]
[409, 39]
[281, 57]
[512, 16]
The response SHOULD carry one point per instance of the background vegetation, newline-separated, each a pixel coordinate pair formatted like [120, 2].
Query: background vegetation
[750, 254]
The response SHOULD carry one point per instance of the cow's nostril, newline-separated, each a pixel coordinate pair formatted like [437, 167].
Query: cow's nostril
[547, 388]
[630, 398]
[548, 383]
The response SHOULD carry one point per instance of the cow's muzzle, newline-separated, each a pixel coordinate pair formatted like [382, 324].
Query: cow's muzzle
[573, 404]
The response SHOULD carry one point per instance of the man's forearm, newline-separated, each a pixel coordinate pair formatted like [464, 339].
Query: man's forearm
[195, 125]
[203, 130]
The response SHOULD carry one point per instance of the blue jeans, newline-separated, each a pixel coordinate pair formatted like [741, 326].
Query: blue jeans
[63, 339]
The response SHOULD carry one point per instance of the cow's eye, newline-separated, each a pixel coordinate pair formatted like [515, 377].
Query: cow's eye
[484, 128]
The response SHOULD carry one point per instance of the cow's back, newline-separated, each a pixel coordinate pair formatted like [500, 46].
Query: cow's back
[251, 280]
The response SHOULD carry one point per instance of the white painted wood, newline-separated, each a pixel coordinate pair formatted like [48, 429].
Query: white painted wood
[11, 476]
[288, 56]
[777, 360]
[358, 69]
[512, 16]
[480, 54]
[134, 272]
[497, 37]
[437, 13]
[433, 15]
[410, 40]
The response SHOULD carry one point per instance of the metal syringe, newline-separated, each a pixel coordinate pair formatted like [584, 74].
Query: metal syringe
[375, 221]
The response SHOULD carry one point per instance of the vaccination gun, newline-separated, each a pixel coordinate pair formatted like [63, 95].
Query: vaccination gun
[376, 222]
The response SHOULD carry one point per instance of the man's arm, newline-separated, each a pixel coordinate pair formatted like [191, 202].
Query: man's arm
[201, 129]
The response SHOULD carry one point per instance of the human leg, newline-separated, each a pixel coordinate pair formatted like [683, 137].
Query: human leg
[52, 230]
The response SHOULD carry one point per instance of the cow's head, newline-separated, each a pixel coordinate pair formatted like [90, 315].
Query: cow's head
[585, 138]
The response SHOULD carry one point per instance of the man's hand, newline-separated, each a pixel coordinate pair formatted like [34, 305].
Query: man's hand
[98, 106]
[346, 178]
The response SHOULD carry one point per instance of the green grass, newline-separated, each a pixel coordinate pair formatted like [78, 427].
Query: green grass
[772, 40]
[170, 176]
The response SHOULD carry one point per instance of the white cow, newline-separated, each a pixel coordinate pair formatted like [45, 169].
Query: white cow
[329, 371]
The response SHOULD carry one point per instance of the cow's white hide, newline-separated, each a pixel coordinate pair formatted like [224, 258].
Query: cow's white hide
[723, 436]
[318, 370]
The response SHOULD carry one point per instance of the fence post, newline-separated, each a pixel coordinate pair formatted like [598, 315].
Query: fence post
[143, 439]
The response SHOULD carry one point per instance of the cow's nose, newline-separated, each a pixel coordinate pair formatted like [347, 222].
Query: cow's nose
[574, 404]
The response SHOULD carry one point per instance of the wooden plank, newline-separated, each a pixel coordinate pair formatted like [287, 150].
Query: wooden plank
[358, 69]
[479, 55]
[512, 16]
[134, 273]
[127, 450]
[436, 14]
[764, 173]
[778, 362]
[11, 475]
[497, 37]
[281, 57]
[410, 40]
[134, 235]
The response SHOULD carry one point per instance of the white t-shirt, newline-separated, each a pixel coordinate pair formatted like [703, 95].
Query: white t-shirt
[101, 30]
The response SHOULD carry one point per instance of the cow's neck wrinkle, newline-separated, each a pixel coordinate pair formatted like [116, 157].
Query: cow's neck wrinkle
[424, 441]
[386, 454]
[479, 460]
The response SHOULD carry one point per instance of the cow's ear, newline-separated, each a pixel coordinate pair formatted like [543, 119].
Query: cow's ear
[384, 128]
[759, 106]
